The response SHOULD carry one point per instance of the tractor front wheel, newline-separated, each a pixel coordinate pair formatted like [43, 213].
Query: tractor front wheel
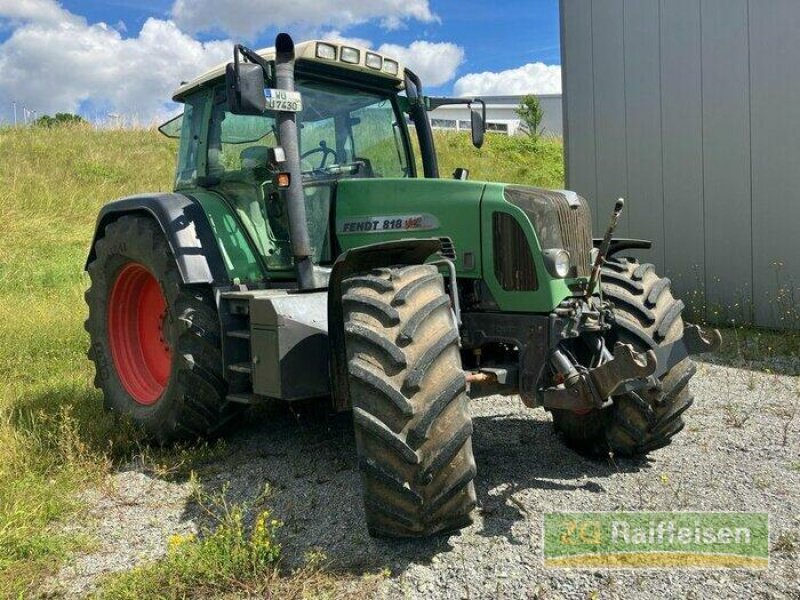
[155, 342]
[646, 316]
[408, 391]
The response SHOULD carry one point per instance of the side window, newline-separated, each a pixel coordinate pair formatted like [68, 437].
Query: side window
[238, 144]
[191, 126]
[377, 138]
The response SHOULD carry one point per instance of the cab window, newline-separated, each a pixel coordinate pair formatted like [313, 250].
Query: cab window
[346, 131]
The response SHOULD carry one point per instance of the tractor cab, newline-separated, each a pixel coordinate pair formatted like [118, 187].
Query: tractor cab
[354, 111]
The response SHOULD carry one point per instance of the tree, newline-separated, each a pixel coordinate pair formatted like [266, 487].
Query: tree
[530, 113]
[59, 119]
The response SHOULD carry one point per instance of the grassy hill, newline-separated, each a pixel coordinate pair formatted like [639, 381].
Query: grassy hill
[54, 437]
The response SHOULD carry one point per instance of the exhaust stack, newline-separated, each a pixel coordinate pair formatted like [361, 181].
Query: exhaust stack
[295, 201]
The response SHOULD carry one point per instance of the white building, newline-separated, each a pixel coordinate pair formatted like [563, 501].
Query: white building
[501, 115]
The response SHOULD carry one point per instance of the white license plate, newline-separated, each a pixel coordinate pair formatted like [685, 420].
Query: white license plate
[283, 100]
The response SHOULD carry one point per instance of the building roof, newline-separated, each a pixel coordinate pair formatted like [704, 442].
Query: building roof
[513, 99]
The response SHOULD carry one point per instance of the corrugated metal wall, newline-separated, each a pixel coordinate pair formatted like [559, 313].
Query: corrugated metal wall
[690, 109]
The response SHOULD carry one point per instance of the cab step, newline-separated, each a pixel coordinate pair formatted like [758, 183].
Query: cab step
[242, 334]
[244, 367]
[244, 398]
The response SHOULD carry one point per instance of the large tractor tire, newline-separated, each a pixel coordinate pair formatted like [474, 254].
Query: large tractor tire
[646, 315]
[155, 342]
[410, 407]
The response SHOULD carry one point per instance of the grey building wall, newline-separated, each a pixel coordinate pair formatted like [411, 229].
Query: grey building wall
[690, 109]
[553, 114]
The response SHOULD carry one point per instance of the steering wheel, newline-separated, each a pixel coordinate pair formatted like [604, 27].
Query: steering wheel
[323, 148]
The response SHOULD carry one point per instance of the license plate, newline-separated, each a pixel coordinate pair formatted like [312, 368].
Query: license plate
[283, 100]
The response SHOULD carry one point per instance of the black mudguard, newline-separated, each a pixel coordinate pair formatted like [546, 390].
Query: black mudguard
[357, 260]
[620, 244]
[186, 229]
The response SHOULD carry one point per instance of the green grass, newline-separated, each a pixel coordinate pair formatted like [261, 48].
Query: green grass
[226, 556]
[55, 439]
[502, 158]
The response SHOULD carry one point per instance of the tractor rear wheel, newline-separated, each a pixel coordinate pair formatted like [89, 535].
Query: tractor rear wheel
[646, 316]
[155, 342]
[410, 407]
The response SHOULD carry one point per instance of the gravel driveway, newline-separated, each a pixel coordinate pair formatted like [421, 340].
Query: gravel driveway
[739, 451]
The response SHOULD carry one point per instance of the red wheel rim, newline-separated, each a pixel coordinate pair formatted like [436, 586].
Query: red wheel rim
[139, 346]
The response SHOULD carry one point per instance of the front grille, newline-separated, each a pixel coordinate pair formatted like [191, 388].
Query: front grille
[561, 220]
[513, 263]
[576, 234]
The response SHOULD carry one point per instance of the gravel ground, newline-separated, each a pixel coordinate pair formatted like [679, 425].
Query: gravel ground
[739, 451]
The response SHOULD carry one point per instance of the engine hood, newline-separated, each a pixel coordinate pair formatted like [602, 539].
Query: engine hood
[368, 211]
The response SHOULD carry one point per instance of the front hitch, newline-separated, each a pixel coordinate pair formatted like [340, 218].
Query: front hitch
[627, 371]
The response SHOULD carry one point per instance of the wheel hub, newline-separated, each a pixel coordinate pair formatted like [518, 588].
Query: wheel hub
[137, 330]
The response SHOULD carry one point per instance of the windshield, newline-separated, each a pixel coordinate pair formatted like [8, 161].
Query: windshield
[349, 131]
[344, 132]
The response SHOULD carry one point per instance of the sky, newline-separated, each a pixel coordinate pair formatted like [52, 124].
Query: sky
[125, 57]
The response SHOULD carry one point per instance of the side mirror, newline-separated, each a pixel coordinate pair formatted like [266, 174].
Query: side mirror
[244, 82]
[477, 122]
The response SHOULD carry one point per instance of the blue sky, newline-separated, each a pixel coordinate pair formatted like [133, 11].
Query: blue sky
[496, 35]
[125, 56]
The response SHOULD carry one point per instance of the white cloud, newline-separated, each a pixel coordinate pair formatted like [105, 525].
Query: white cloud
[246, 18]
[56, 61]
[335, 35]
[533, 78]
[54, 65]
[435, 62]
[41, 11]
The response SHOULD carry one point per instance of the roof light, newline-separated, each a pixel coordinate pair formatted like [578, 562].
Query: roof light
[350, 55]
[326, 51]
[374, 61]
[390, 66]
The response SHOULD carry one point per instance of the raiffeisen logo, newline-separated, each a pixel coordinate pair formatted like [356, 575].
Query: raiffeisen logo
[668, 532]
[656, 540]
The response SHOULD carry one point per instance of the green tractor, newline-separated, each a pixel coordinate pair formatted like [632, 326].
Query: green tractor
[303, 256]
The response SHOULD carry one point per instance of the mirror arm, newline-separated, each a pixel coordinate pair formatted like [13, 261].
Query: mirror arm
[434, 102]
[252, 57]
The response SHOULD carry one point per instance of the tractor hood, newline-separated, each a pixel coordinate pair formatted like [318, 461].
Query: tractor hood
[369, 211]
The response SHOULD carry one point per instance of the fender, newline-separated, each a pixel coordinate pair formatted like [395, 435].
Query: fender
[620, 244]
[186, 229]
[399, 252]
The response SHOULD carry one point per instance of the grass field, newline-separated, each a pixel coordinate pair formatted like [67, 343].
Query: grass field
[55, 439]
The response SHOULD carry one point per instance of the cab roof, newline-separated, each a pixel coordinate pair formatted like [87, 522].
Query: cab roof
[308, 51]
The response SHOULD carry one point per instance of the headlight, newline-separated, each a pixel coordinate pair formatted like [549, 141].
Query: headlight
[374, 61]
[390, 66]
[351, 55]
[326, 51]
[557, 262]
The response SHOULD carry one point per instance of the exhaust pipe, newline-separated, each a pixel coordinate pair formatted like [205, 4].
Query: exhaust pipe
[295, 201]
